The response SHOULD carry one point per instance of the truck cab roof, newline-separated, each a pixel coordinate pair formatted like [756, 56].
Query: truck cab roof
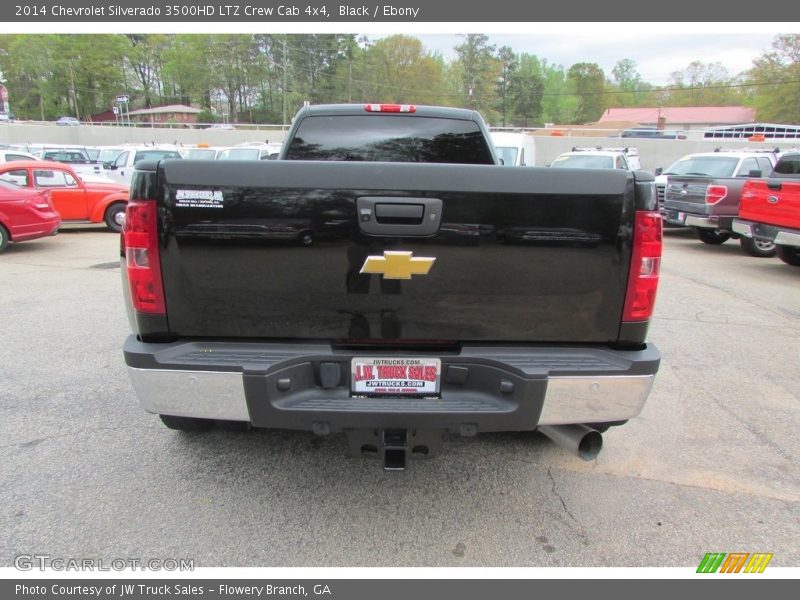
[407, 110]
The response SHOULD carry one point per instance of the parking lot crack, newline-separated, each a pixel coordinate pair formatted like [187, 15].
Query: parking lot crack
[576, 525]
[36, 441]
[777, 311]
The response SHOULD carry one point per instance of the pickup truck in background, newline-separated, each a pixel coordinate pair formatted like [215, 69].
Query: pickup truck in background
[703, 191]
[77, 158]
[598, 157]
[770, 209]
[391, 328]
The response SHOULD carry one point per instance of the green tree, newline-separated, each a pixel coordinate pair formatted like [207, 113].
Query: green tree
[558, 106]
[144, 61]
[700, 84]
[527, 90]
[588, 82]
[776, 78]
[27, 65]
[508, 71]
[406, 74]
[187, 68]
[313, 61]
[630, 89]
[476, 67]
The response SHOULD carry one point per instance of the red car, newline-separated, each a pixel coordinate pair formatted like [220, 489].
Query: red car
[76, 200]
[25, 214]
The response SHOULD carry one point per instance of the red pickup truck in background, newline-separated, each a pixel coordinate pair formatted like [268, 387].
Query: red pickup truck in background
[770, 209]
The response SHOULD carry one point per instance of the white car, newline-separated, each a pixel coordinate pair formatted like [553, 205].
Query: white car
[12, 155]
[626, 159]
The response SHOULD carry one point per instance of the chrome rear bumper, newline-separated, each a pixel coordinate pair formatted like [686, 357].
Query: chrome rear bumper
[490, 388]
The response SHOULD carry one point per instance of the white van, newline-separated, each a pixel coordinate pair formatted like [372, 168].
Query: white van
[514, 149]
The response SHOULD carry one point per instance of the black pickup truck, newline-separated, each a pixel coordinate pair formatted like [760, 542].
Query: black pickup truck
[388, 279]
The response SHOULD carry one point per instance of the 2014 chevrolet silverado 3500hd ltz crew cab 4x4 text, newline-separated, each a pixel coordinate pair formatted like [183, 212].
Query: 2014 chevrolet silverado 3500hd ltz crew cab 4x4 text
[389, 279]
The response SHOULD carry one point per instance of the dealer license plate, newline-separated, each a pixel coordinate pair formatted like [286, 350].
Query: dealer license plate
[395, 376]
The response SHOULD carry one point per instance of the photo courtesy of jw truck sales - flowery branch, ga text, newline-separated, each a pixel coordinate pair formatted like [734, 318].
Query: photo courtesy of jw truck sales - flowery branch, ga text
[170, 589]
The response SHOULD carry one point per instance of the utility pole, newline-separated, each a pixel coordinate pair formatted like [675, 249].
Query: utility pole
[284, 83]
[503, 82]
[74, 91]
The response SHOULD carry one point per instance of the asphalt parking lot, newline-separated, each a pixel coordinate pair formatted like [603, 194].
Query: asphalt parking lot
[709, 466]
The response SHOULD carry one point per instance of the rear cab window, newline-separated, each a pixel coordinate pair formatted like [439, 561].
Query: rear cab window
[707, 166]
[67, 157]
[387, 138]
[788, 165]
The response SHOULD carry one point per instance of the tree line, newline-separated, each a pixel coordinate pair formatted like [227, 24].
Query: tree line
[263, 78]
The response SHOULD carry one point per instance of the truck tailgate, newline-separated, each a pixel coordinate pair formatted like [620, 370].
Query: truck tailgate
[688, 192]
[278, 250]
[773, 202]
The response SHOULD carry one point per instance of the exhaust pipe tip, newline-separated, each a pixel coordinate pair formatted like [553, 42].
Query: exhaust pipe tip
[582, 441]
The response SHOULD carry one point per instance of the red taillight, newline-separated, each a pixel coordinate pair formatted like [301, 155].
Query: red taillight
[715, 193]
[640, 297]
[140, 244]
[390, 108]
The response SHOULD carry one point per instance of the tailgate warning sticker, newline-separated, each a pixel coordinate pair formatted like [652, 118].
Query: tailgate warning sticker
[198, 199]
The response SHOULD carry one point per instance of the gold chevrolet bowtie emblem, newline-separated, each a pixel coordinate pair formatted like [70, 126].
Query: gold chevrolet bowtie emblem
[397, 265]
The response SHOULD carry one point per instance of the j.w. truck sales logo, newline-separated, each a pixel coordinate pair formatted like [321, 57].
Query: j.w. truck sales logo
[735, 562]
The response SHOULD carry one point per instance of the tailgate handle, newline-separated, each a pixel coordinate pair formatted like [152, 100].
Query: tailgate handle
[387, 215]
[774, 184]
[409, 214]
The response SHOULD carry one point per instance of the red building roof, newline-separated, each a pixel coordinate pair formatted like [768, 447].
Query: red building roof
[102, 117]
[713, 115]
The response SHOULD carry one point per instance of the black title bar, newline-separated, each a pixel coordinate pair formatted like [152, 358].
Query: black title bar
[322, 11]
